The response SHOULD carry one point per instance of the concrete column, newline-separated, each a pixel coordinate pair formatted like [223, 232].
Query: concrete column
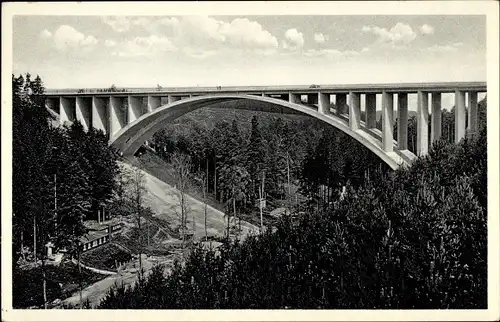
[422, 123]
[354, 110]
[371, 110]
[312, 99]
[294, 98]
[153, 103]
[100, 117]
[435, 117]
[172, 98]
[459, 115]
[134, 108]
[67, 109]
[117, 115]
[387, 121]
[53, 104]
[403, 121]
[83, 111]
[341, 103]
[265, 95]
[324, 103]
[472, 119]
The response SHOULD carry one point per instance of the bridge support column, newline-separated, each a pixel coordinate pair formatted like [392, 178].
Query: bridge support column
[422, 123]
[134, 108]
[312, 99]
[436, 117]
[472, 119]
[265, 95]
[172, 98]
[341, 102]
[153, 102]
[459, 115]
[387, 121]
[354, 110]
[53, 104]
[324, 103]
[117, 113]
[371, 110]
[83, 111]
[67, 109]
[403, 121]
[100, 115]
[294, 98]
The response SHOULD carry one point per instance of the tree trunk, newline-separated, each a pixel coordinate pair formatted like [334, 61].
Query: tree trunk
[234, 207]
[205, 207]
[206, 176]
[34, 239]
[80, 277]
[44, 285]
[215, 177]
[22, 245]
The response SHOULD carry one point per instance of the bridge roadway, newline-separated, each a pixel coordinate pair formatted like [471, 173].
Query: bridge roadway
[440, 87]
[130, 120]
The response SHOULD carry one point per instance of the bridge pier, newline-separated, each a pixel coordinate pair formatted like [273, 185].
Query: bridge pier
[312, 99]
[371, 110]
[472, 119]
[134, 108]
[422, 123]
[100, 115]
[459, 115]
[324, 103]
[172, 98]
[387, 121]
[83, 111]
[403, 121]
[118, 115]
[294, 98]
[341, 103]
[153, 102]
[354, 110]
[436, 117]
[53, 104]
[67, 109]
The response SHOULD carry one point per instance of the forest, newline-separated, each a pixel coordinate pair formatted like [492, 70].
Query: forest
[362, 236]
[62, 176]
[412, 239]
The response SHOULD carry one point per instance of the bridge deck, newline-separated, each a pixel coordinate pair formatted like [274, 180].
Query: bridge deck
[441, 87]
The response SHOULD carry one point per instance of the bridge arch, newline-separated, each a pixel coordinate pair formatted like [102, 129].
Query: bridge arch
[129, 139]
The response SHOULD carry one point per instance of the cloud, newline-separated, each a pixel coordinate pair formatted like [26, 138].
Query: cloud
[159, 26]
[399, 34]
[45, 34]
[144, 46]
[365, 49]
[109, 43]
[118, 23]
[294, 40]
[425, 29]
[209, 33]
[330, 53]
[320, 38]
[445, 48]
[198, 53]
[67, 37]
[247, 34]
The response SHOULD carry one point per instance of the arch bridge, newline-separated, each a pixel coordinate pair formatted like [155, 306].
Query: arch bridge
[132, 116]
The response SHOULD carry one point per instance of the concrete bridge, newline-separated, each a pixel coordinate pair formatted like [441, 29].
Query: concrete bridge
[132, 116]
